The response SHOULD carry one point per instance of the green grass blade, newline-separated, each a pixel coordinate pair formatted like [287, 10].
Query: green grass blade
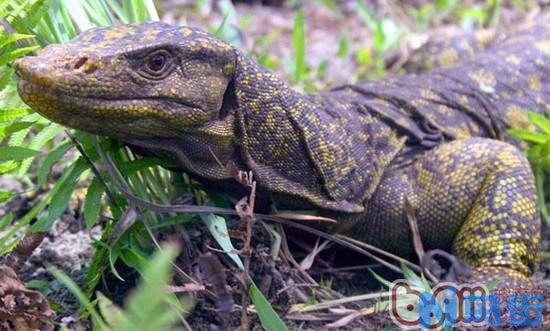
[60, 196]
[80, 296]
[11, 38]
[117, 9]
[10, 56]
[379, 278]
[5, 195]
[146, 308]
[299, 42]
[78, 14]
[53, 157]
[44, 136]
[16, 153]
[12, 128]
[92, 203]
[9, 115]
[36, 11]
[151, 10]
[529, 136]
[6, 220]
[541, 121]
[218, 229]
[268, 317]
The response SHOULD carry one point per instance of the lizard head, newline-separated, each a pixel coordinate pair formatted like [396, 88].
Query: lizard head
[144, 81]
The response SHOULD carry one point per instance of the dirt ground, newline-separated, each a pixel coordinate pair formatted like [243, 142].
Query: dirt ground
[68, 245]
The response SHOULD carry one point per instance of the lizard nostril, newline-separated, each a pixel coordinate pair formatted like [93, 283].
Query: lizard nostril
[85, 64]
[82, 61]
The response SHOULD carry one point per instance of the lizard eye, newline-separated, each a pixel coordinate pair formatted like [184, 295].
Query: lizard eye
[157, 64]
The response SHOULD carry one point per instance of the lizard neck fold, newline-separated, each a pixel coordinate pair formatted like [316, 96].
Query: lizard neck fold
[321, 148]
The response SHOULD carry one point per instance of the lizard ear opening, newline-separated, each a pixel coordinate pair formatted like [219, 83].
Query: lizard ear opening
[229, 70]
[229, 103]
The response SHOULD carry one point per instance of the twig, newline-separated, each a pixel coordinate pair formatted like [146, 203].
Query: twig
[225, 211]
[185, 289]
[417, 241]
[338, 302]
[122, 185]
[378, 307]
[245, 209]
[94, 169]
[380, 251]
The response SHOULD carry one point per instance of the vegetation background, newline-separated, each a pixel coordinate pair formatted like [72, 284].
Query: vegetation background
[55, 181]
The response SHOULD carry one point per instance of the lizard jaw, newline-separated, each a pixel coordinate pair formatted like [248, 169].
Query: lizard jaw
[118, 118]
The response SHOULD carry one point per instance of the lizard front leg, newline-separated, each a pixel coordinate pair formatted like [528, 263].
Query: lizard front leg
[490, 185]
[474, 197]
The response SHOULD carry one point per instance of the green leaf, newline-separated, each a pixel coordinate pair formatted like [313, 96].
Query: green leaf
[92, 203]
[53, 157]
[414, 279]
[379, 278]
[38, 9]
[539, 184]
[19, 52]
[331, 5]
[131, 167]
[8, 39]
[541, 121]
[113, 255]
[4, 8]
[146, 308]
[5, 195]
[151, 10]
[6, 77]
[343, 46]
[220, 29]
[134, 258]
[78, 13]
[366, 15]
[268, 317]
[391, 34]
[15, 8]
[6, 220]
[68, 25]
[6, 246]
[112, 313]
[364, 57]
[227, 30]
[298, 42]
[8, 167]
[61, 195]
[12, 128]
[16, 153]
[38, 141]
[529, 136]
[9, 115]
[77, 292]
[218, 229]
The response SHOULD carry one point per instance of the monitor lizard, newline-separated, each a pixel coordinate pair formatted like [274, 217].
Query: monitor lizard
[354, 153]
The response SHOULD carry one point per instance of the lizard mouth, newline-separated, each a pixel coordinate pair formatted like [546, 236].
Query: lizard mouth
[25, 86]
[142, 117]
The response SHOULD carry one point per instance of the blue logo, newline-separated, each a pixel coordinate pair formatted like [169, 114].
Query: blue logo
[451, 305]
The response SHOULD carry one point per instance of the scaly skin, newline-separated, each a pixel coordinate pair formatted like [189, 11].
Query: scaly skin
[353, 153]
